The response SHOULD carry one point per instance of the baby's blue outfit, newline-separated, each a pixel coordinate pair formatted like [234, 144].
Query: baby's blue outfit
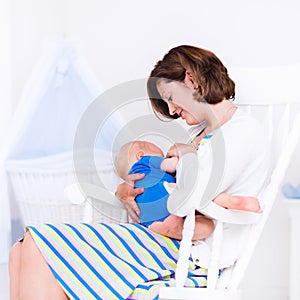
[153, 202]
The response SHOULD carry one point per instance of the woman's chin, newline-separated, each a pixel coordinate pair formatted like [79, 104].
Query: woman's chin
[191, 122]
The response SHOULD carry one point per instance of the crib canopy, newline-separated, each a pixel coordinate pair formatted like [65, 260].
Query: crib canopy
[57, 93]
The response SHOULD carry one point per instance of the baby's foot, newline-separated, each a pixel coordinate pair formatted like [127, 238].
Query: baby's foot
[238, 202]
[252, 204]
[171, 227]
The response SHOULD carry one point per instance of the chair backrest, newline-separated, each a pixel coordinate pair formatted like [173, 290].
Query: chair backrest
[281, 125]
[276, 120]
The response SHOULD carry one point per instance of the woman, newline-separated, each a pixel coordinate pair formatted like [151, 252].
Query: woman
[130, 261]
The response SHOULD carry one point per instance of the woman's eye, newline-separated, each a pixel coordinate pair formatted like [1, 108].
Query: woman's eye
[170, 99]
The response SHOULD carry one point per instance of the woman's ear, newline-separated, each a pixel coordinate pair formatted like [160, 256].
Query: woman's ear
[190, 81]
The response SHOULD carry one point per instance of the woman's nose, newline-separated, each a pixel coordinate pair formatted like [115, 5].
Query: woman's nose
[172, 109]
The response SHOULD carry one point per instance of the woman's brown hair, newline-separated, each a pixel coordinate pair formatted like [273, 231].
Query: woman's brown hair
[214, 83]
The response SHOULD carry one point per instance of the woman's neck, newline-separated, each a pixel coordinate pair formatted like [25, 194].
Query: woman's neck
[219, 114]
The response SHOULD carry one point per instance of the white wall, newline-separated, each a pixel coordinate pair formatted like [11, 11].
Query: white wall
[31, 22]
[5, 67]
[122, 40]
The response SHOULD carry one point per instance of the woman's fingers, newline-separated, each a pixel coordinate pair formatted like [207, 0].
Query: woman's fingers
[131, 178]
[131, 205]
[133, 211]
[126, 193]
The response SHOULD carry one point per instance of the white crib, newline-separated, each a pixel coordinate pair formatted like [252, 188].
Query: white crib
[38, 188]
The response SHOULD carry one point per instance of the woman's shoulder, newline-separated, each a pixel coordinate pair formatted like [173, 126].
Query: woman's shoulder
[242, 115]
[243, 122]
[246, 131]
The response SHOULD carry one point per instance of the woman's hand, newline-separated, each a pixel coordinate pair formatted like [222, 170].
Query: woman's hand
[180, 149]
[126, 193]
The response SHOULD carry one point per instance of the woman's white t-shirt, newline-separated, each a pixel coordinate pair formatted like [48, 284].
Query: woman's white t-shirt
[233, 160]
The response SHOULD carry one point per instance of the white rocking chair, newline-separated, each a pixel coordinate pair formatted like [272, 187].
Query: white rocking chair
[227, 285]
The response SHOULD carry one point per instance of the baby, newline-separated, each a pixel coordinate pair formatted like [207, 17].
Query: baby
[146, 158]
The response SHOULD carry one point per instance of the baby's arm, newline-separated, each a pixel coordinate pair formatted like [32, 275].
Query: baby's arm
[172, 227]
[169, 164]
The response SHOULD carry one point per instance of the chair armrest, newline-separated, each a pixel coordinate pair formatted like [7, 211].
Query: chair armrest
[232, 216]
[79, 193]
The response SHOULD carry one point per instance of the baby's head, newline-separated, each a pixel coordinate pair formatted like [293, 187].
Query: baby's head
[131, 152]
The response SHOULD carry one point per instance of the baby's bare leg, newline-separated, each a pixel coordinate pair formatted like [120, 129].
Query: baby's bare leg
[238, 202]
[204, 227]
[172, 227]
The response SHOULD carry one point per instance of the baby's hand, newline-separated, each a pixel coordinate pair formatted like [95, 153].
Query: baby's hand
[180, 149]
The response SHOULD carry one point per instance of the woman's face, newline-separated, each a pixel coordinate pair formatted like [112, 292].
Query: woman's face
[180, 100]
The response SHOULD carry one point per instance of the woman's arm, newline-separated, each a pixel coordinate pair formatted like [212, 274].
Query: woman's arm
[126, 193]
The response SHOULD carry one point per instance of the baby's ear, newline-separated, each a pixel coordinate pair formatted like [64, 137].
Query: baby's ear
[140, 154]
